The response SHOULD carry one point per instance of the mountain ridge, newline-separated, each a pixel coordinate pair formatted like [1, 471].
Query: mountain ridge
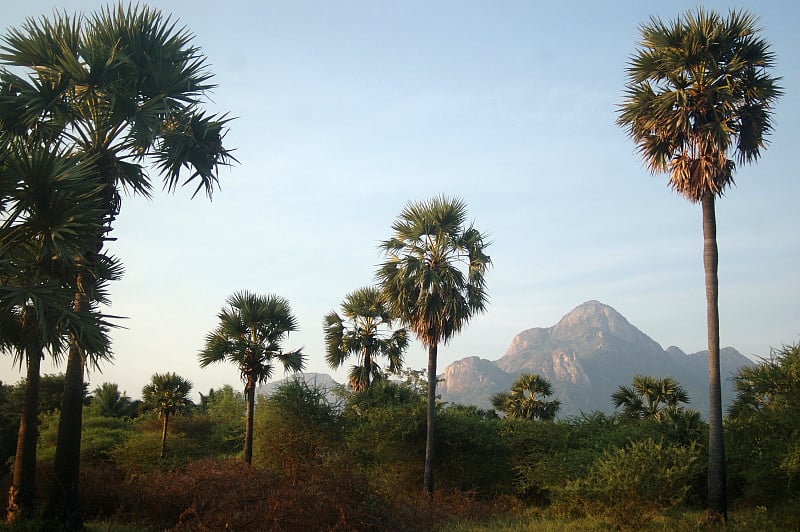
[586, 355]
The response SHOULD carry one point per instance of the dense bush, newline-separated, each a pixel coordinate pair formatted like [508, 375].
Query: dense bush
[633, 484]
[470, 453]
[384, 432]
[295, 429]
[763, 429]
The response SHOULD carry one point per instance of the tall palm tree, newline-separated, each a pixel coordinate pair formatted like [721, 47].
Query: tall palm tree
[123, 87]
[527, 399]
[365, 331]
[46, 218]
[433, 282]
[167, 394]
[650, 397]
[698, 101]
[250, 334]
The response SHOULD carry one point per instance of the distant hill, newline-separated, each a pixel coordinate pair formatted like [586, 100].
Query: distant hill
[586, 356]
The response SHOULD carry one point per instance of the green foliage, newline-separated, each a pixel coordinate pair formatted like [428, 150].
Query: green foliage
[108, 401]
[225, 410]
[365, 332]
[700, 94]
[764, 427]
[633, 484]
[295, 428]
[385, 433]
[167, 394]
[191, 438]
[650, 397]
[9, 423]
[51, 389]
[472, 454]
[545, 455]
[250, 334]
[433, 275]
[527, 399]
[100, 436]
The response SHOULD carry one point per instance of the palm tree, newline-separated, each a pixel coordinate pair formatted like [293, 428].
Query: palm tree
[650, 397]
[365, 332]
[108, 401]
[167, 394]
[698, 100]
[46, 217]
[250, 334]
[527, 399]
[433, 282]
[122, 88]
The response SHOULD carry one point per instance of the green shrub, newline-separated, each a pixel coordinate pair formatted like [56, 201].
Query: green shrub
[294, 429]
[190, 438]
[763, 429]
[632, 485]
[471, 454]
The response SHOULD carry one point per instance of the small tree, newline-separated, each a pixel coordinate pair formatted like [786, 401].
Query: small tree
[527, 399]
[250, 334]
[364, 331]
[108, 401]
[167, 394]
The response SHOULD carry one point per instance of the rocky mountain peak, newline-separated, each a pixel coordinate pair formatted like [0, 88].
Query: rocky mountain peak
[586, 355]
[598, 318]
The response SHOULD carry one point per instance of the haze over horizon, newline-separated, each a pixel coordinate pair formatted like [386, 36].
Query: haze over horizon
[344, 113]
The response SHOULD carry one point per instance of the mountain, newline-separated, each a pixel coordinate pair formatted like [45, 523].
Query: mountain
[587, 355]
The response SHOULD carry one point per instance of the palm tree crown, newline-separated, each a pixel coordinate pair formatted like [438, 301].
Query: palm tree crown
[250, 334]
[650, 397]
[363, 330]
[527, 399]
[699, 95]
[433, 276]
[167, 393]
[123, 85]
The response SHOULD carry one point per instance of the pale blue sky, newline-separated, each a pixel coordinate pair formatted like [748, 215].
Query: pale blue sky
[348, 110]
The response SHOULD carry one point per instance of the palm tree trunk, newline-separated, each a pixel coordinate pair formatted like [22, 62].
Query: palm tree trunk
[250, 396]
[22, 493]
[63, 503]
[164, 435]
[717, 493]
[428, 482]
[367, 366]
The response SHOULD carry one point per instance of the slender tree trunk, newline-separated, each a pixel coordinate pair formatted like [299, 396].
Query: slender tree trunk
[428, 482]
[250, 396]
[164, 435]
[63, 503]
[368, 366]
[22, 493]
[717, 492]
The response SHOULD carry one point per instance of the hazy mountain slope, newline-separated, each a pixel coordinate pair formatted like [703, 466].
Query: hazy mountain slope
[589, 353]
